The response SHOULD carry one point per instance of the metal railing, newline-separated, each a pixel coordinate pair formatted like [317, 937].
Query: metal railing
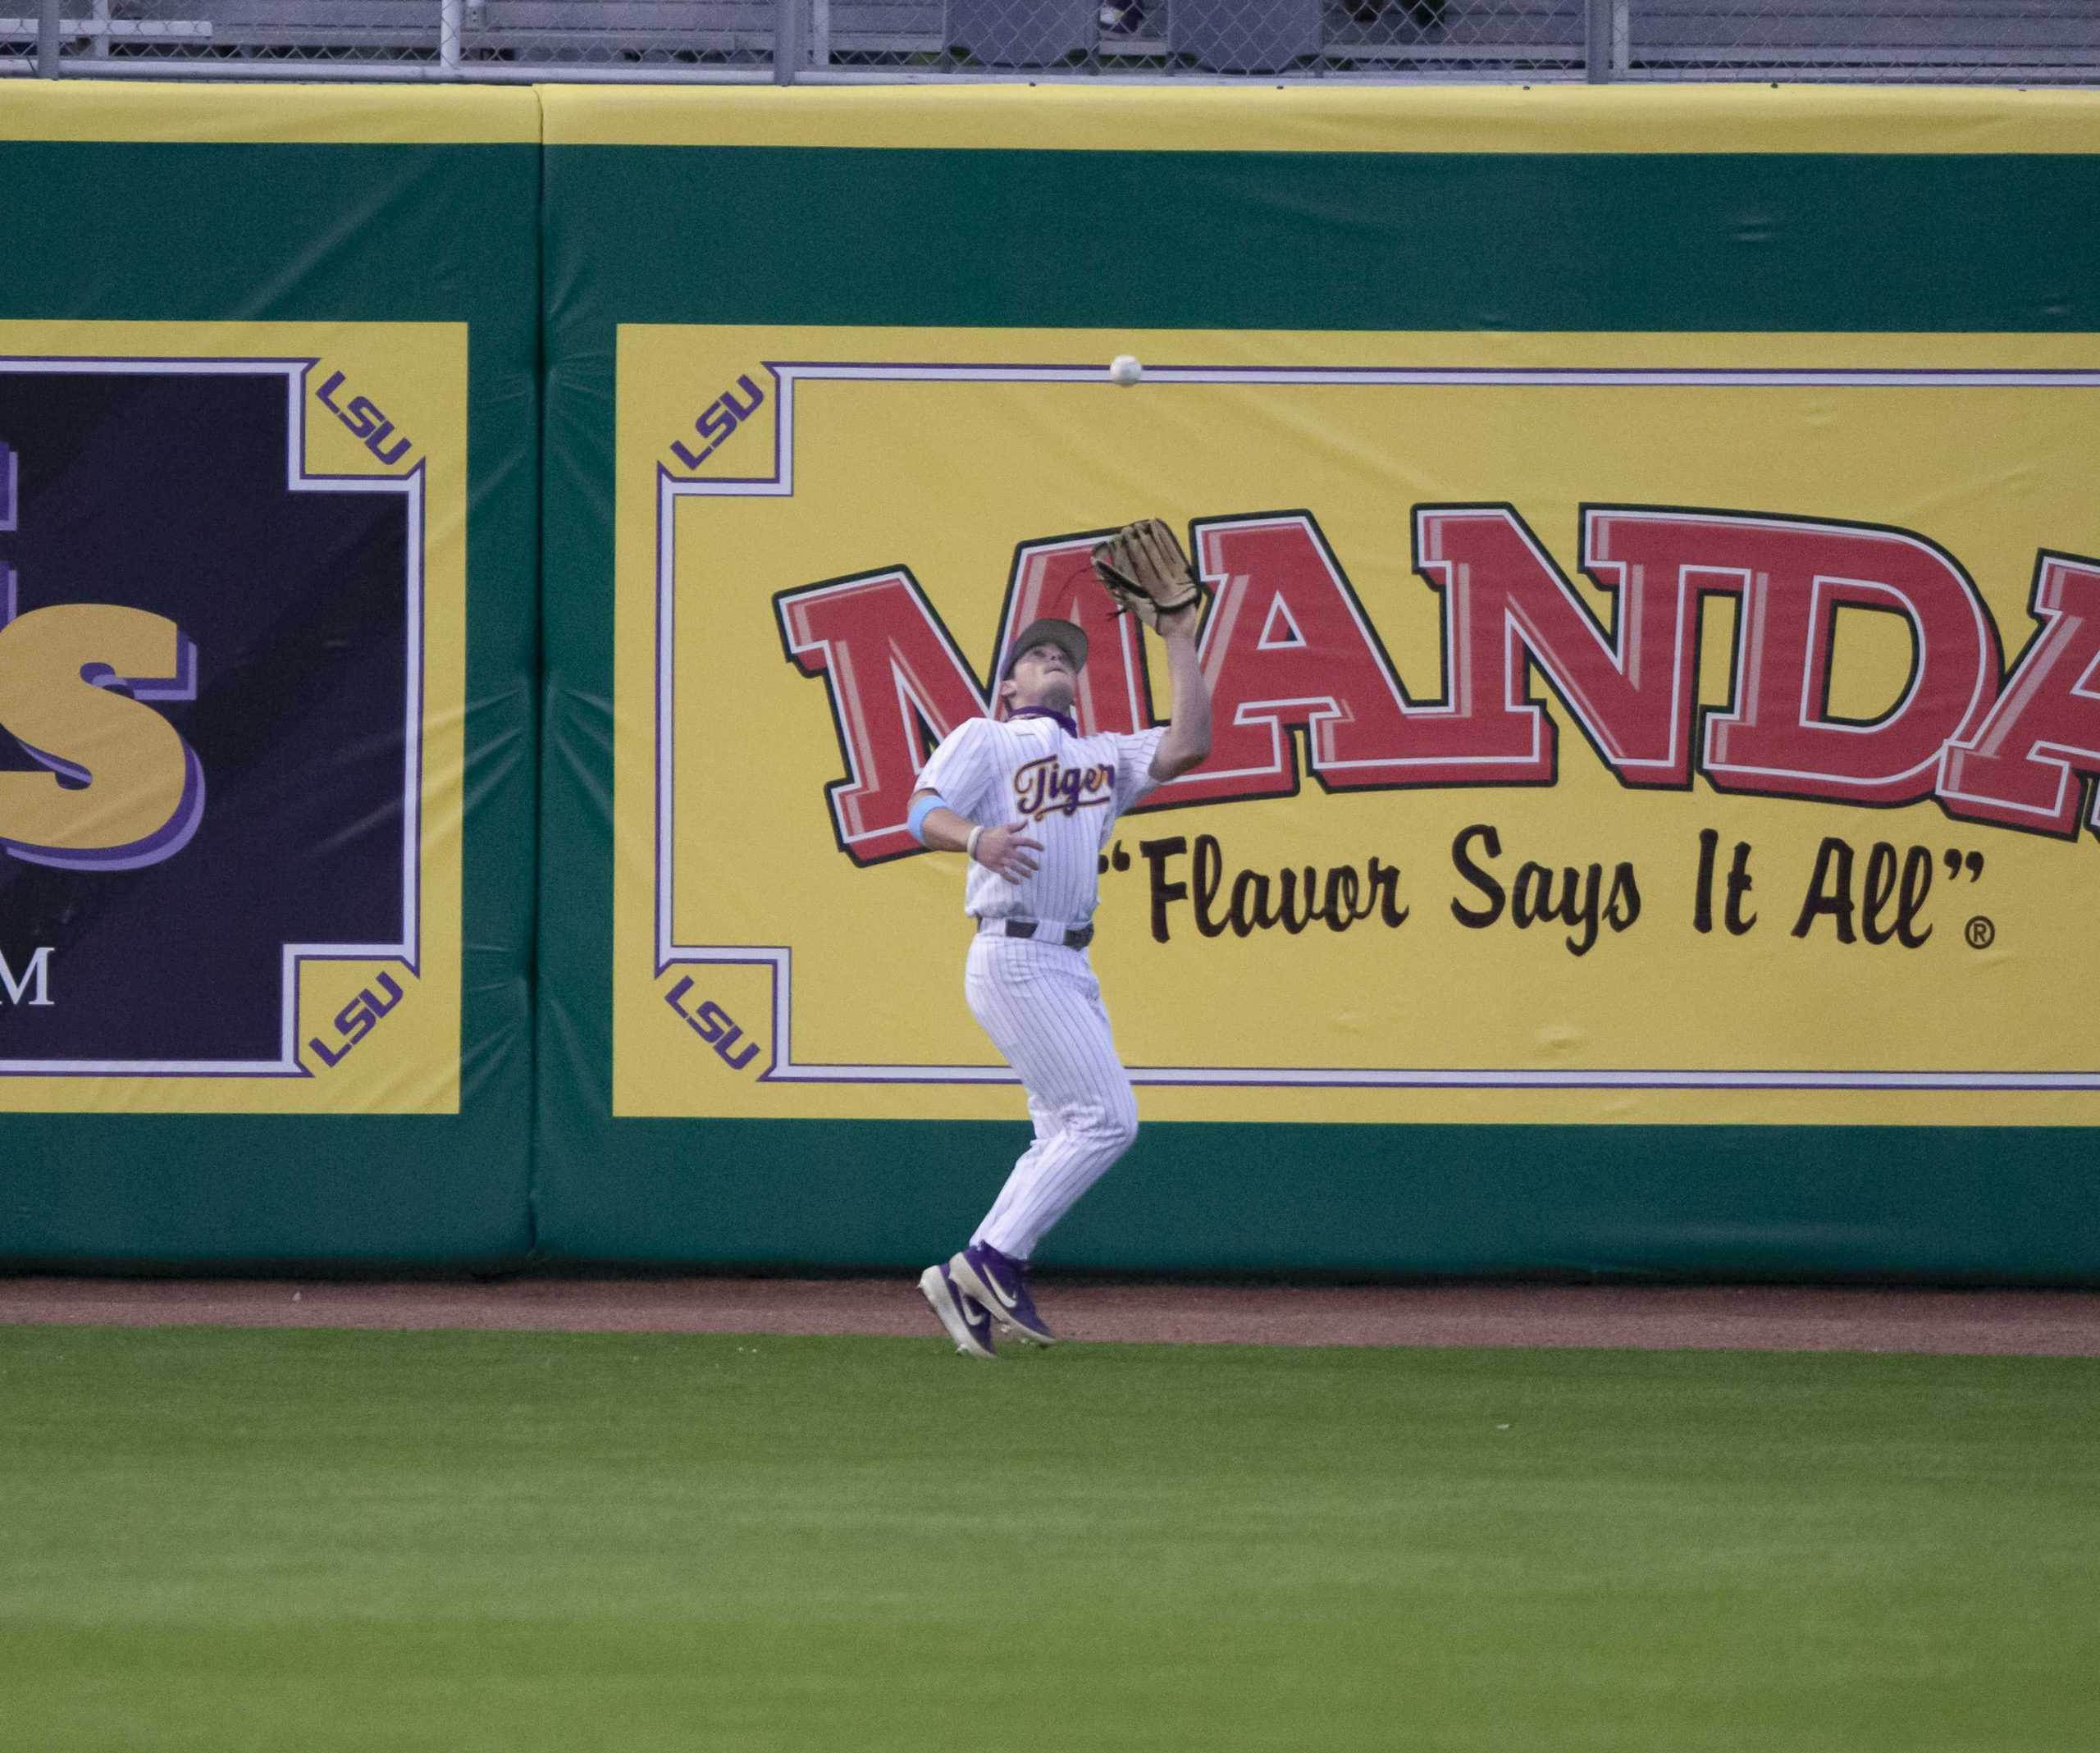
[1989, 41]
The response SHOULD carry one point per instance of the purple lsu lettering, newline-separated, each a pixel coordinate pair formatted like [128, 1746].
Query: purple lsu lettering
[719, 419]
[364, 421]
[1045, 787]
[713, 1026]
[357, 1019]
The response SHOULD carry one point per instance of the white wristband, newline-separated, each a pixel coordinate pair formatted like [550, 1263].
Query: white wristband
[970, 847]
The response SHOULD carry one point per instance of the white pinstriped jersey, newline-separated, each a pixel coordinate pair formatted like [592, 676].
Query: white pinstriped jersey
[1070, 789]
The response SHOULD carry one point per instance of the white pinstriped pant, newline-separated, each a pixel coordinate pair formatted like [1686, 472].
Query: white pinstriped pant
[1041, 1005]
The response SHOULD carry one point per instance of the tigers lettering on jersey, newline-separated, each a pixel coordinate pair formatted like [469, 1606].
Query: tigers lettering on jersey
[1073, 789]
[1048, 787]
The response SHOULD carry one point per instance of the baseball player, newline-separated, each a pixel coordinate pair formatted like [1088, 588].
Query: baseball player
[1030, 802]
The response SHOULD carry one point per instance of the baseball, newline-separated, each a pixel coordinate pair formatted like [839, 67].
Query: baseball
[1123, 369]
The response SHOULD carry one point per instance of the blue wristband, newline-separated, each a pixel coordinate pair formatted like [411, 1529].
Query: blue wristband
[921, 808]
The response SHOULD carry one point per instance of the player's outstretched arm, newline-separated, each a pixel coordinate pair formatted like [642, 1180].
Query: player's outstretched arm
[1009, 849]
[1188, 739]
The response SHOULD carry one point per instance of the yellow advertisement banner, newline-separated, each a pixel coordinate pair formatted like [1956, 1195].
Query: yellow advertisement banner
[1685, 728]
[232, 691]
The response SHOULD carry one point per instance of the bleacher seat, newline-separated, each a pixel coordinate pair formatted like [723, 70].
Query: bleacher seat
[1895, 39]
[1233, 36]
[1023, 33]
[341, 30]
[555, 31]
[857, 30]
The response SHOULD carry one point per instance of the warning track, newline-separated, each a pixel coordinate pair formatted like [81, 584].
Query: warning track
[2056, 1323]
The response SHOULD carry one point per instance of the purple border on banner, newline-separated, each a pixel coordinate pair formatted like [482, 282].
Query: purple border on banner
[785, 1068]
[296, 955]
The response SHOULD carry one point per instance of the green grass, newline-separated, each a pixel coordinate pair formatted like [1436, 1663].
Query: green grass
[303, 1541]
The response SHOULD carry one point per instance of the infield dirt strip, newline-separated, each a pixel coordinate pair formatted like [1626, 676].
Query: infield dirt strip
[2052, 1323]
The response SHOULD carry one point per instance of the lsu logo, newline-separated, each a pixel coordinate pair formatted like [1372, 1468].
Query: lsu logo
[119, 789]
[1302, 684]
[183, 609]
[362, 419]
[719, 419]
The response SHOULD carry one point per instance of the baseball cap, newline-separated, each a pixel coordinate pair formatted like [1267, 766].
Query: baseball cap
[1062, 634]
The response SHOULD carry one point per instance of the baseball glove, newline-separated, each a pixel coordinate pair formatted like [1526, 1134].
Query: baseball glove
[1141, 566]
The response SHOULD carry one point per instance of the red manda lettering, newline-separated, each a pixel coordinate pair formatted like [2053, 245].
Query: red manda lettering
[1301, 683]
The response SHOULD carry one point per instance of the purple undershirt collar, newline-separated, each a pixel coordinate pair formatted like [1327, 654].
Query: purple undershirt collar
[1071, 726]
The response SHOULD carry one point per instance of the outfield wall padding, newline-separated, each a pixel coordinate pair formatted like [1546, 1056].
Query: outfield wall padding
[1629, 846]
[1649, 830]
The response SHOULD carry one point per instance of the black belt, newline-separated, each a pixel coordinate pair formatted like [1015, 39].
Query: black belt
[1077, 939]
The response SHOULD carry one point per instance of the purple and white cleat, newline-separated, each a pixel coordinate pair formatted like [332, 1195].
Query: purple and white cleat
[968, 1325]
[999, 1287]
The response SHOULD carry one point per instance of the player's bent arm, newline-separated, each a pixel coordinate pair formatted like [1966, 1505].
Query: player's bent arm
[937, 826]
[1008, 849]
[1188, 739]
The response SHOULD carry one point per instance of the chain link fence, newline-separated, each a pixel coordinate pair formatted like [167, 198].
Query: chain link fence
[1997, 41]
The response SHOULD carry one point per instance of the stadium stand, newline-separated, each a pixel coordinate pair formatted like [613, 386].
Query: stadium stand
[1994, 40]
